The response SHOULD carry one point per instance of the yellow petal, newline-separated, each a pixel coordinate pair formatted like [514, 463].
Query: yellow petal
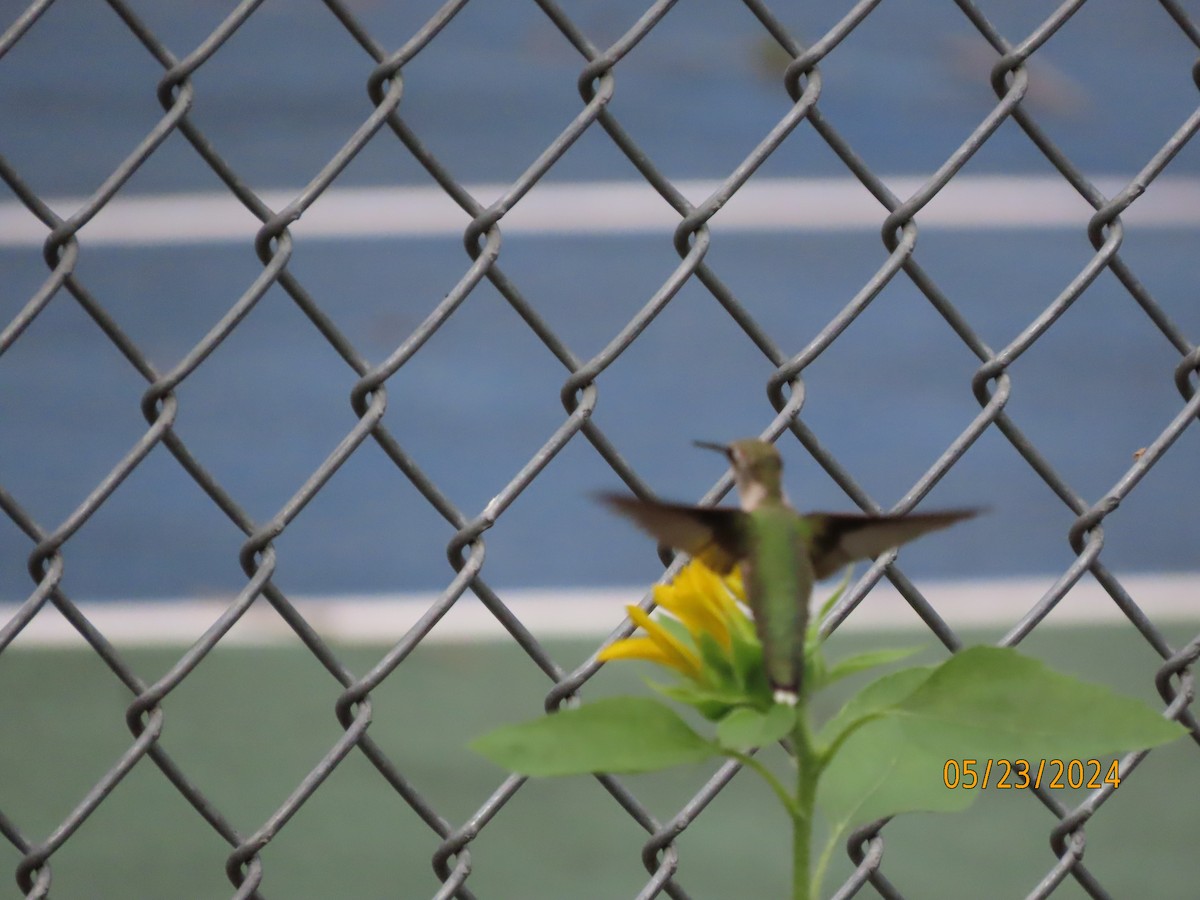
[722, 598]
[719, 591]
[681, 656]
[700, 613]
[724, 589]
[696, 578]
[638, 648]
[733, 581]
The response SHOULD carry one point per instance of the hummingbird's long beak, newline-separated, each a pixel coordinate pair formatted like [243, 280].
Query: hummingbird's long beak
[710, 445]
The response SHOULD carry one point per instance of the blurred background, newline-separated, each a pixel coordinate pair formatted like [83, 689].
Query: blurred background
[480, 399]
[495, 87]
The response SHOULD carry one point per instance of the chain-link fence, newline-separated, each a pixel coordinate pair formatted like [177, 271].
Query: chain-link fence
[385, 130]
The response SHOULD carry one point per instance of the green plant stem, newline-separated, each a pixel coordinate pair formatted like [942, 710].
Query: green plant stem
[824, 859]
[807, 773]
[784, 795]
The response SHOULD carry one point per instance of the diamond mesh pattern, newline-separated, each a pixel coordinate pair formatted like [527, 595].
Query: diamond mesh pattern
[386, 126]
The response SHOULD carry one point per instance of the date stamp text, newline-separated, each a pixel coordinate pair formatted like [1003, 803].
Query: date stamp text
[1055, 774]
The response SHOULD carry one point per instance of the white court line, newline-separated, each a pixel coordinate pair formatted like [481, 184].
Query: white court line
[589, 614]
[612, 207]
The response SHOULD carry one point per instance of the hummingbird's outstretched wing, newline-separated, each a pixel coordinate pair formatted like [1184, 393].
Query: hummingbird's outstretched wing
[712, 534]
[838, 539]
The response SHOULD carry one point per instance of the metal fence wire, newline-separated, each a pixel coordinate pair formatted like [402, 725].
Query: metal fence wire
[385, 122]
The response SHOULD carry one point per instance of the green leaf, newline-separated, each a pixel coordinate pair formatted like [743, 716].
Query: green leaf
[745, 728]
[861, 662]
[813, 637]
[747, 656]
[716, 665]
[876, 698]
[619, 734]
[712, 703]
[983, 703]
[880, 772]
[996, 702]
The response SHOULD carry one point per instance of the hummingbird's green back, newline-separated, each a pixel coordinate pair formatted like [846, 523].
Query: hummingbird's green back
[778, 575]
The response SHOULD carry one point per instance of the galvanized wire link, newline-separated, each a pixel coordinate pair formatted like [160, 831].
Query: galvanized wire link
[692, 238]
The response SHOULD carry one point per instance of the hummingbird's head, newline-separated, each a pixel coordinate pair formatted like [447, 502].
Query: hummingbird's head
[757, 469]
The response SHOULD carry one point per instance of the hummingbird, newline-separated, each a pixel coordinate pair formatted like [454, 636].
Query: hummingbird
[781, 551]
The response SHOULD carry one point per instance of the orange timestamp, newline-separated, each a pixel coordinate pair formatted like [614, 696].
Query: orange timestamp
[965, 774]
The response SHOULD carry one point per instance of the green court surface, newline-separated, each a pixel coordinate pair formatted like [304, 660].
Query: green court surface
[250, 723]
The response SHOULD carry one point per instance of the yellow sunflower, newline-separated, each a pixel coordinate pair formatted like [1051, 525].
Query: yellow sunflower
[705, 636]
